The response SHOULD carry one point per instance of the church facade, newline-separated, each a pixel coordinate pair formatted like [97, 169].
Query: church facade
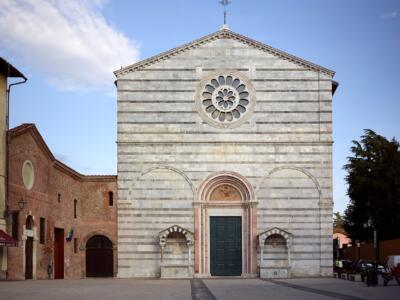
[224, 162]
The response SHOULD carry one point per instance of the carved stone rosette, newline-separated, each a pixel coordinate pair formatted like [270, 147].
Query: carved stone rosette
[225, 99]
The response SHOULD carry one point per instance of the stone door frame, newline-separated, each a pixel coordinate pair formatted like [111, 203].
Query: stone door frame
[245, 208]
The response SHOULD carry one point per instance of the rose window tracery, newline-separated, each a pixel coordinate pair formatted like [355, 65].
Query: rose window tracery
[225, 98]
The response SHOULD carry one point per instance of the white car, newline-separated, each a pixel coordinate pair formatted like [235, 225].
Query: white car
[392, 261]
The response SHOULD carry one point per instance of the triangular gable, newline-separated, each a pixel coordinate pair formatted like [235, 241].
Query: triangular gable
[222, 34]
[32, 129]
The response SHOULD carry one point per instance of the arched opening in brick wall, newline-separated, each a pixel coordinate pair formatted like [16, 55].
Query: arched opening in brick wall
[99, 257]
[29, 243]
[29, 223]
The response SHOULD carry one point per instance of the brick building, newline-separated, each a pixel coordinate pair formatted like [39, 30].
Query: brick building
[224, 162]
[60, 218]
[7, 71]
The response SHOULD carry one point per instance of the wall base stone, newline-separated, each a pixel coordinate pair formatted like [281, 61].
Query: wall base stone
[274, 272]
[176, 271]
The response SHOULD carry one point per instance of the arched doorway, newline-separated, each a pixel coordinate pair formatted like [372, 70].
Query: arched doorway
[29, 249]
[99, 257]
[225, 214]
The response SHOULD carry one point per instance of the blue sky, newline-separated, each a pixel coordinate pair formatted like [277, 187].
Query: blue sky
[68, 51]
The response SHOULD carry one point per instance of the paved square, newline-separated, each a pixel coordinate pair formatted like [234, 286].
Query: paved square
[252, 289]
[207, 289]
[96, 289]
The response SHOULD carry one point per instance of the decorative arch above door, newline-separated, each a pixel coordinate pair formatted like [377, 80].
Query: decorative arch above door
[225, 212]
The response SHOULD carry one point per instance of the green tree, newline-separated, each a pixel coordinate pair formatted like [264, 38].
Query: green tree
[373, 178]
[338, 222]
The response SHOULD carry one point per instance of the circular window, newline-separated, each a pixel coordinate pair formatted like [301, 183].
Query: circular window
[225, 99]
[28, 176]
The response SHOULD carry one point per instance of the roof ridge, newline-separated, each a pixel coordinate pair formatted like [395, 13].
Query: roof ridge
[222, 33]
[21, 129]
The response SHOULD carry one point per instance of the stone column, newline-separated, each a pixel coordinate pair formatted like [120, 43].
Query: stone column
[162, 245]
[261, 242]
[190, 254]
[189, 244]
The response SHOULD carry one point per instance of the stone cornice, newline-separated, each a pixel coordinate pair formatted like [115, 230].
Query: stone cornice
[222, 34]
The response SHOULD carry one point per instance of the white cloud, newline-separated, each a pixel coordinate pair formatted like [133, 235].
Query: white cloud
[389, 15]
[70, 42]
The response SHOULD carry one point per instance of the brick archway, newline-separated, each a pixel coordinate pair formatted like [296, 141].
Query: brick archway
[83, 247]
[97, 232]
[99, 257]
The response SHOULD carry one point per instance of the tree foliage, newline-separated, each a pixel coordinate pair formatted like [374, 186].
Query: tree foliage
[373, 178]
[338, 222]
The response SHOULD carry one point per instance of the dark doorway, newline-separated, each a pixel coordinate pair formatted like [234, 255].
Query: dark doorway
[226, 246]
[58, 253]
[29, 223]
[29, 258]
[99, 257]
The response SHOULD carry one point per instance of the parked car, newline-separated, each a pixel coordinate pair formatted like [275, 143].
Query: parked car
[392, 269]
[364, 265]
[381, 269]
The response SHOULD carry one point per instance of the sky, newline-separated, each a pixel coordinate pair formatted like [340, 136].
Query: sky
[68, 50]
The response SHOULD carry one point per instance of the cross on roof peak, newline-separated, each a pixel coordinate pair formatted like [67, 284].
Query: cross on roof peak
[225, 3]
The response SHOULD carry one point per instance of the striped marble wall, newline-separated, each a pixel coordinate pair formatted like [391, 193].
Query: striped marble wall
[165, 151]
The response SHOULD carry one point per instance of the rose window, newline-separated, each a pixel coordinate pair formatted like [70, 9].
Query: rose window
[225, 98]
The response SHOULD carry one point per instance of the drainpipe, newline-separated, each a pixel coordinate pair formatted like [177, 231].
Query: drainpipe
[7, 128]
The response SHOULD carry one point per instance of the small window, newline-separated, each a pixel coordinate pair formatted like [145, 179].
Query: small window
[42, 230]
[59, 198]
[110, 198]
[28, 175]
[15, 225]
[75, 245]
[75, 208]
[29, 223]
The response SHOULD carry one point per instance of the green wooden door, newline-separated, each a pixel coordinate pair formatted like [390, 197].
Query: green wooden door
[226, 246]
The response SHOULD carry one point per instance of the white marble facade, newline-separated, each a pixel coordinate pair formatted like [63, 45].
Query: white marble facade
[225, 126]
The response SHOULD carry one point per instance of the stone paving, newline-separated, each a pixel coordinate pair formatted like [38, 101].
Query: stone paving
[96, 289]
[196, 289]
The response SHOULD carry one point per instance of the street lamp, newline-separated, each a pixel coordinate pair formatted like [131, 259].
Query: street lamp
[371, 224]
[358, 249]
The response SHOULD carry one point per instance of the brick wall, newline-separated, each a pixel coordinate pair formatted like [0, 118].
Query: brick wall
[51, 197]
[366, 251]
